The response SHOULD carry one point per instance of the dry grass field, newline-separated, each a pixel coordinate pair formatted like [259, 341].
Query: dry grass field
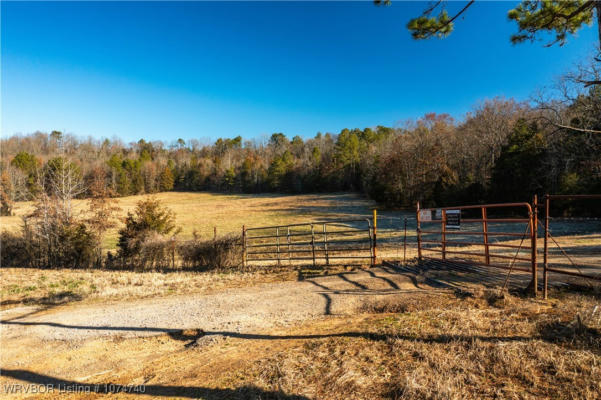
[202, 212]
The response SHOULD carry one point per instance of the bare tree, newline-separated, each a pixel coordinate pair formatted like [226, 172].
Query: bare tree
[13, 188]
[101, 209]
[65, 182]
[568, 105]
[485, 132]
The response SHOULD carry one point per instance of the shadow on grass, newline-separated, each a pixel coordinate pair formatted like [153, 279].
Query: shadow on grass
[54, 299]
[194, 334]
[244, 392]
[574, 334]
[571, 335]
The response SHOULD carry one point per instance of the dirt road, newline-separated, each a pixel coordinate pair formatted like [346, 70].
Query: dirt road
[231, 312]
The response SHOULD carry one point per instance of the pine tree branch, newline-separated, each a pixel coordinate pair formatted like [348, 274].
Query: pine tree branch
[583, 7]
[431, 8]
[450, 21]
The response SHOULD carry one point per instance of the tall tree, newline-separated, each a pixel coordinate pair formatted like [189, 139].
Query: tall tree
[166, 179]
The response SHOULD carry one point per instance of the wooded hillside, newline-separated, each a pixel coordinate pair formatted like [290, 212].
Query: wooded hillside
[502, 150]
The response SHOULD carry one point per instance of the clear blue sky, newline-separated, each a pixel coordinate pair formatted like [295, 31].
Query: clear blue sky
[208, 70]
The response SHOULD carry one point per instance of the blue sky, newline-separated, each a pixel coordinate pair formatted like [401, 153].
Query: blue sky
[162, 71]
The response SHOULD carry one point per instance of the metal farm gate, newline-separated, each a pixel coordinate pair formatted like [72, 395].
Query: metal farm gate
[572, 237]
[327, 242]
[503, 236]
[494, 235]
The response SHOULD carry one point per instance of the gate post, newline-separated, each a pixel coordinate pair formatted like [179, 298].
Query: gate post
[419, 234]
[485, 232]
[533, 235]
[325, 244]
[288, 241]
[277, 238]
[244, 246]
[375, 252]
[443, 234]
[546, 251]
[313, 243]
[405, 244]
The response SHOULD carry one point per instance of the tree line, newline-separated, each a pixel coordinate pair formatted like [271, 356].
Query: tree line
[502, 150]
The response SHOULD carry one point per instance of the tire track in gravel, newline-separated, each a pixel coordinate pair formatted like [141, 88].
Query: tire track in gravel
[240, 310]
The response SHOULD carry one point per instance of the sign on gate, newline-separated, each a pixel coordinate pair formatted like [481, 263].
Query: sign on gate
[430, 215]
[453, 220]
[449, 242]
[425, 215]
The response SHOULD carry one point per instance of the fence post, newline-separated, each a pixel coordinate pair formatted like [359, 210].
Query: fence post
[485, 232]
[313, 243]
[443, 234]
[214, 233]
[173, 252]
[546, 251]
[419, 234]
[325, 244]
[375, 236]
[405, 244]
[244, 246]
[533, 235]
[277, 238]
[288, 241]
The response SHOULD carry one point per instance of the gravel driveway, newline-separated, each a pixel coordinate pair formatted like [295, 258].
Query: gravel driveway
[231, 312]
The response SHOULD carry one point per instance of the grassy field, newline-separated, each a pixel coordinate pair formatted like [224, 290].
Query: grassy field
[202, 212]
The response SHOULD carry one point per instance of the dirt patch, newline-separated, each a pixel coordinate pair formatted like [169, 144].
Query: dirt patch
[231, 312]
[462, 348]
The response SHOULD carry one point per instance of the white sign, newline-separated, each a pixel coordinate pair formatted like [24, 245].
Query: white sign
[425, 215]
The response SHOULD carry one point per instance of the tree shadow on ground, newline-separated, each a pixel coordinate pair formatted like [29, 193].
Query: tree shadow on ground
[565, 335]
[54, 299]
[361, 288]
[243, 392]
[574, 334]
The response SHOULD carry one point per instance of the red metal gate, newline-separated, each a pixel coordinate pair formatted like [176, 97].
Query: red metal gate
[572, 244]
[480, 238]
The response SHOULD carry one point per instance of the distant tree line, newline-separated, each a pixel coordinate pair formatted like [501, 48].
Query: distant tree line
[501, 151]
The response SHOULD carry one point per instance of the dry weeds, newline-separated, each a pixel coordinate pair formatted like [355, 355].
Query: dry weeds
[57, 286]
[445, 347]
